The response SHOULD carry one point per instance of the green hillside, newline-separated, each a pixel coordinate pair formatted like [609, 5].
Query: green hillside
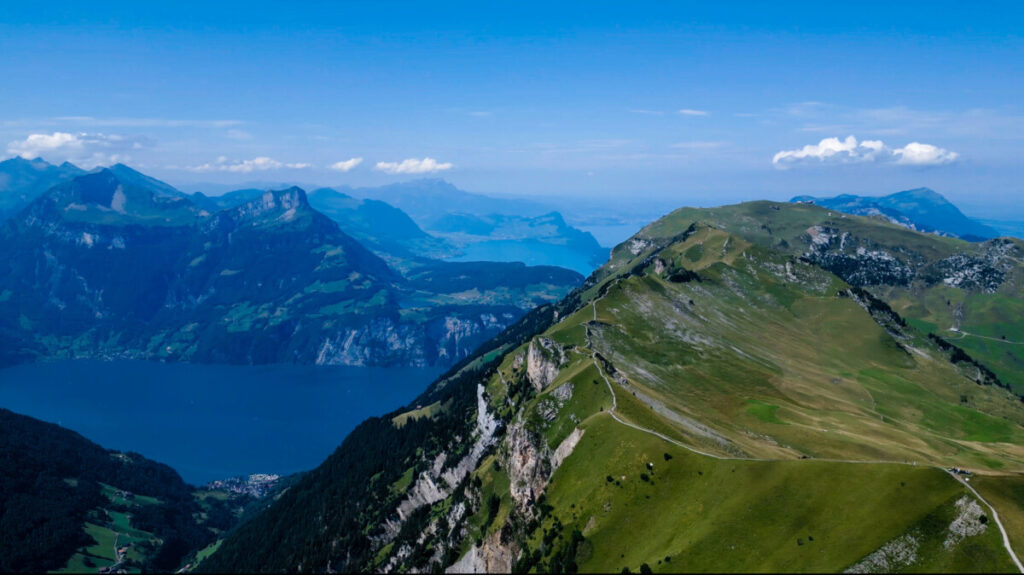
[731, 392]
[936, 283]
[72, 506]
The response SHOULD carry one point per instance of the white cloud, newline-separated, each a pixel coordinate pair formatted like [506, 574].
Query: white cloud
[917, 154]
[849, 150]
[647, 112]
[827, 149]
[84, 149]
[38, 144]
[690, 112]
[260, 164]
[413, 166]
[346, 165]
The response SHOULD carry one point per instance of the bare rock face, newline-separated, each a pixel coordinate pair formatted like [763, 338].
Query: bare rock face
[543, 360]
[386, 342]
[968, 522]
[439, 481]
[894, 555]
[531, 463]
[563, 392]
[528, 466]
[659, 266]
[565, 448]
[492, 556]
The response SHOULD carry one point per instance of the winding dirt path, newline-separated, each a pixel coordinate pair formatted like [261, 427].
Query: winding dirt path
[996, 339]
[995, 515]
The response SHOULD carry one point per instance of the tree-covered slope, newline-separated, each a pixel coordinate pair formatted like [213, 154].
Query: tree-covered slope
[717, 397]
[66, 501]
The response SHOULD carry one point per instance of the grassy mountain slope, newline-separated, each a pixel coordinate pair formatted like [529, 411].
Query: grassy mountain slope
[934, 282]
[716, 397]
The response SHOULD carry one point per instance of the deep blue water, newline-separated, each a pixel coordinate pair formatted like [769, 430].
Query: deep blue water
[211, 421]
[530, 253]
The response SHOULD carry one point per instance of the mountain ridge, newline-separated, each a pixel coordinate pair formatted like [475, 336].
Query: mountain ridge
[921, 208]
[22, 181]
[687, 386]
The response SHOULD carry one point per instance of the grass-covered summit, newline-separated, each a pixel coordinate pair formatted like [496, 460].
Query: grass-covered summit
[733, 391]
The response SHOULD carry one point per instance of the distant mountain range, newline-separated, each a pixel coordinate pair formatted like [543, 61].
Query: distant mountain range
[920, 209]
[544, 239]
[429, 200]
[22, 181]
[114, 263]
[434, 219]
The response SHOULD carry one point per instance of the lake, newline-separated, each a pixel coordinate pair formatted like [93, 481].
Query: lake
[531, 253]
[211, 421]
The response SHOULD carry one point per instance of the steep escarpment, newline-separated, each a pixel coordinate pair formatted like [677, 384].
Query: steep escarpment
[708, 400]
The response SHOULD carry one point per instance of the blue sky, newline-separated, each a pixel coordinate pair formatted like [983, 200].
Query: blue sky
[672, 102]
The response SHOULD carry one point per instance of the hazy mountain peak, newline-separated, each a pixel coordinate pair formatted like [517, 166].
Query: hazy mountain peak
[38, 164]
[272, 208]
[329, 192]
[35, 163]
[106, 197]
[287, 198]
[920, 209]
[130, 175]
